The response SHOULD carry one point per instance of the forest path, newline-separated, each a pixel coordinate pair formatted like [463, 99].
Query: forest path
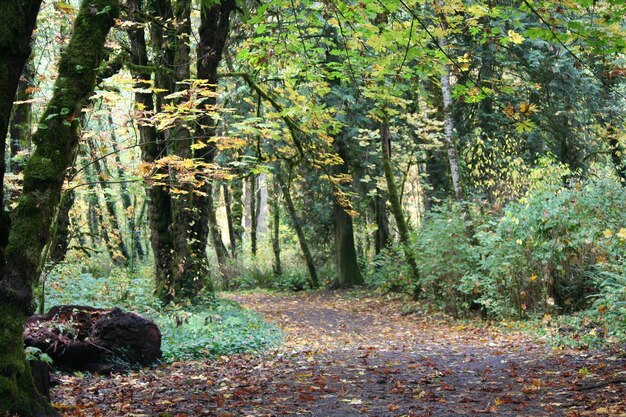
[347, 355]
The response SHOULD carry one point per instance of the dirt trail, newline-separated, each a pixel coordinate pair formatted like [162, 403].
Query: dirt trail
[346, 356]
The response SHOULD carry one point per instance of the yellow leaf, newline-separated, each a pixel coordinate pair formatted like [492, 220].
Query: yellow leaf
[622, 233]
[198, 145]
[515, 37]
[607, 233]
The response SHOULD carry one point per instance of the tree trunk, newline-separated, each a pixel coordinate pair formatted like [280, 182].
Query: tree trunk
[254, 212]
[448, 120]
[123, 256]
[448, 125]
[297, 225]
[396, 208]
[237, 213]
[229, 220]
[137, 247]
[17, 19]
[159, 201]
[213, 32]
[216, 234]
[61, 229]
[21, 122]
[43, 179]
[382, 222]
[275, 207]
[348, 271]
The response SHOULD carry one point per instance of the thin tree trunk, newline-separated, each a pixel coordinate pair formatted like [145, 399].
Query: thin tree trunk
[229, 220]
[448, 120]
[448, 125]
[237, 213]
[109, 203]
[126, 200]
[44, 175]
[396, 208]
[254, 213]
[275, 207]
[216, 235]
[297, 225]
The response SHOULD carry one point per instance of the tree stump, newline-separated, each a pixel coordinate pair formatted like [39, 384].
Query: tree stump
[93, 339]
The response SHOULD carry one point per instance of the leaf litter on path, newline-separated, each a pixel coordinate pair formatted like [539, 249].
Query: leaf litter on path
[358, 356]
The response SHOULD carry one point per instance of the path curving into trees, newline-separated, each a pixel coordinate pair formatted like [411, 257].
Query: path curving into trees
[357, 356]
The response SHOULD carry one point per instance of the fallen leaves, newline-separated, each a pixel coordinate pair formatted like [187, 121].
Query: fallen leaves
[351, 356]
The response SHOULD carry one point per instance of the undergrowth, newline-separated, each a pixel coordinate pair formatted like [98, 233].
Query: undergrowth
[207, 327]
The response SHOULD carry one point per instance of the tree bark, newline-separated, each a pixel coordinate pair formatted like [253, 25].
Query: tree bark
[348, 270]
[137, 247]
[109, 203]
[448, 120]
[396, 208]
[254, 212]
[275, 207]
[159, 201]
[44, 174]
[61, 231]
[21, 122]
[297, 225]
[17, 20]
[229, 220]
[382, 222]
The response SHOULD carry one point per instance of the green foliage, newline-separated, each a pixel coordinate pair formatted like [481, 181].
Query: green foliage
[537, 256]
[189, 331]
[35, 354]
[214, 328]
[448, 258]
[558, 249]
[388, 272]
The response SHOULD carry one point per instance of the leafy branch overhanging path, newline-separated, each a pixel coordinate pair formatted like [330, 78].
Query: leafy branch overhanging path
[352, 356]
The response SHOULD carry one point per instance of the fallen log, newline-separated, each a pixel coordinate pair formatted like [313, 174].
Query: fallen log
[93, 339]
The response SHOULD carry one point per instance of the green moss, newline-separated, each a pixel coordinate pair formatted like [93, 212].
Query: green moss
[17, 390]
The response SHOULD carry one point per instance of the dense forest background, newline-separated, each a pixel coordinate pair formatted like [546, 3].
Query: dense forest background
[466, 153]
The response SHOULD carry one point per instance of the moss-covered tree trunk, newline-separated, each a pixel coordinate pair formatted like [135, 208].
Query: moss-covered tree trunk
[254, 212]
[396, 208]
[43, 179]
[382, 234]
[237, 213]
[21, 122]
[275, 207]
[159, 202]
[17, 21]
[297, 225]
[213, 32]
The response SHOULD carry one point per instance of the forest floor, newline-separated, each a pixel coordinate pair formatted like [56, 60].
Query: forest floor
[347, 355]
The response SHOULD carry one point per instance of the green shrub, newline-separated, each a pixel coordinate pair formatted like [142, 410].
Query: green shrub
[448, 258]
[189, 331]
[388, 272]
[537, 257]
